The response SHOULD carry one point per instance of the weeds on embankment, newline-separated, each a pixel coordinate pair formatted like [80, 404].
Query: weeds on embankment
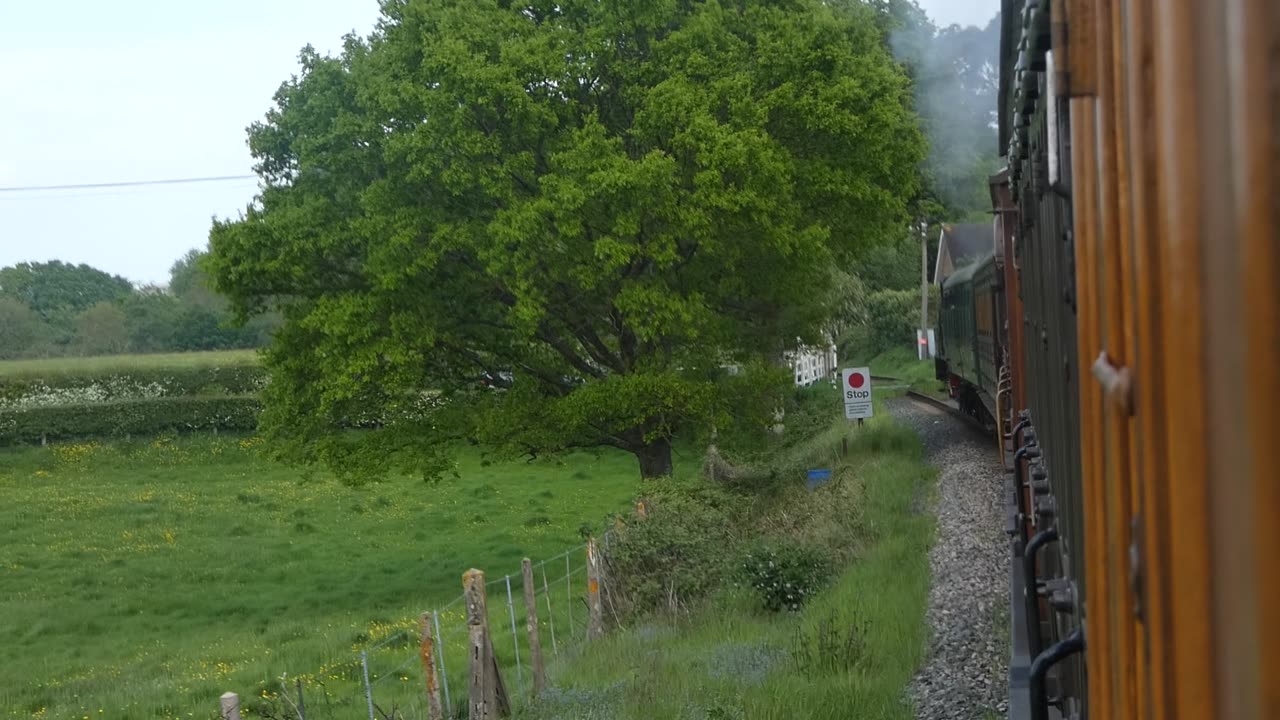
[848, 653]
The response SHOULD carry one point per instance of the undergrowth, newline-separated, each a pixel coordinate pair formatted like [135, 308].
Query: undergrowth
[832, 629]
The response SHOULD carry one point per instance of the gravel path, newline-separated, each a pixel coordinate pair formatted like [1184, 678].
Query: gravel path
[965, 672]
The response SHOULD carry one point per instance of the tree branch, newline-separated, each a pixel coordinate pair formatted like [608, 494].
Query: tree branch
[597, 349]
[586, 336]
[558, 384]
[523, 183]
[562, 348]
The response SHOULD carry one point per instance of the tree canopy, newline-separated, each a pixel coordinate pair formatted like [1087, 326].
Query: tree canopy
[186, 276]
[20, 327]
[547, 225]
[57, 288]
[100, 330]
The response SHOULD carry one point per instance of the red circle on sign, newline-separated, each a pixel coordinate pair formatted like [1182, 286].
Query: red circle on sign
[857, 380]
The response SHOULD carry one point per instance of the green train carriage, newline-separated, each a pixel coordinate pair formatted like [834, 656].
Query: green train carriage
[972, 320]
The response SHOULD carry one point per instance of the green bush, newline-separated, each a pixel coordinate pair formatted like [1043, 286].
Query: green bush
[102, 384]
[128, 417]
[893, 316]
[785, 575]
[676, 555]
[769, 463]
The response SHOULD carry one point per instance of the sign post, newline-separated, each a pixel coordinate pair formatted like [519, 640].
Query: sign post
[856, 385]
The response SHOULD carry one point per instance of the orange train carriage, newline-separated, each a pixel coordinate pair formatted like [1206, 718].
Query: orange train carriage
[1137, 378]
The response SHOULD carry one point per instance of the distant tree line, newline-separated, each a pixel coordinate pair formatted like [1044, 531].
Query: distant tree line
[57, 309]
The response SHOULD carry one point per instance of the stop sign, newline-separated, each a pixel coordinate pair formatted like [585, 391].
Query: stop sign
[857, 393]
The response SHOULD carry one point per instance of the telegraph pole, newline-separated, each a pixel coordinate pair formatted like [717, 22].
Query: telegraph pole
[924, 290]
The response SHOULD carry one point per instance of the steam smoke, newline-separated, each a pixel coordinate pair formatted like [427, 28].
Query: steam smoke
[955, 74]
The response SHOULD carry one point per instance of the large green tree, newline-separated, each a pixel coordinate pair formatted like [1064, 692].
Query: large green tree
[21, 329]
[545, 225]
[100, 330]
[152, 319]
[188, 281]
[205, 319]
[57, 290]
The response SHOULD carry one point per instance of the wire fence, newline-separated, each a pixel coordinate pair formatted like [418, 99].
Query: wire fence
[386, 680]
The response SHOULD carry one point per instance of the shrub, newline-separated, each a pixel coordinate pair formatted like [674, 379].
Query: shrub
[128, 417]
[785, 575]
[892, 319]
[678, 554]
[98, 385]
[894, 314]
[768, 463]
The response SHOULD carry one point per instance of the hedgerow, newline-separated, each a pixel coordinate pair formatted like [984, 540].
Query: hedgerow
[95, 385]
[119, 418]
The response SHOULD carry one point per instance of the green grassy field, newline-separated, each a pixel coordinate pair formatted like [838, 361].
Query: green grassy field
[52, 367]
[849, 654]
[143, 580]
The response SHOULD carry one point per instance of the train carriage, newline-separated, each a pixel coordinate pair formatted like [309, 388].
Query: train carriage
[1124, 340]
[970, 352]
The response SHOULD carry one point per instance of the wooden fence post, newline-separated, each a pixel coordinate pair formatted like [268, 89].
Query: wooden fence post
[434, 710]
[531, 625]
[488, 696]
[230, 706]
[595, 608]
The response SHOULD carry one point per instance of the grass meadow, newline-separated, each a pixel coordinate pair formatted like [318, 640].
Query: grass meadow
[144, 579]
[52, 368]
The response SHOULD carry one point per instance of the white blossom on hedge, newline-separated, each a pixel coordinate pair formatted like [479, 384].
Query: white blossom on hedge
[39, 396]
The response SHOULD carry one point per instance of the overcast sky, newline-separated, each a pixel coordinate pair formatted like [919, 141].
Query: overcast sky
[99, 92]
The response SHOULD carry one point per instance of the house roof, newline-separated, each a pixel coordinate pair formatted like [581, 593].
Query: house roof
[963, 242]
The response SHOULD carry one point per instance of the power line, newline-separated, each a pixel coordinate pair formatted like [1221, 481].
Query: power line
[102, 193]
[129, 183]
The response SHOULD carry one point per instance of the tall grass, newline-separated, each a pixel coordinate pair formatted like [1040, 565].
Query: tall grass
[105, 364]
[849, 654]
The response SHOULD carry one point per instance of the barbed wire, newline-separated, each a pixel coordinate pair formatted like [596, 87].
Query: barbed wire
[396, 672]
[448, 634]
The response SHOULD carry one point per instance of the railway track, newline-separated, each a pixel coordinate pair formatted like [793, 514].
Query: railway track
[963, 674]
[974, 424]
[939, 403]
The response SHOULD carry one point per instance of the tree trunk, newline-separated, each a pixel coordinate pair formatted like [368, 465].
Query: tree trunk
[655, 459]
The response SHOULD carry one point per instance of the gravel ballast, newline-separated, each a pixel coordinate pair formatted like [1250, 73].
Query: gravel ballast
[965, 671]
